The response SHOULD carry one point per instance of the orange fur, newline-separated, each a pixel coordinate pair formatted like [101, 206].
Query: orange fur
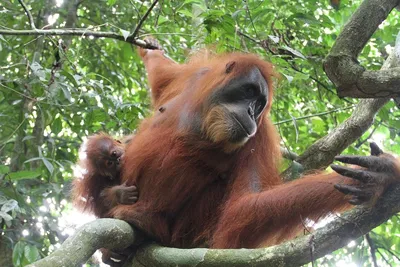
[91, 192]
[196, 188]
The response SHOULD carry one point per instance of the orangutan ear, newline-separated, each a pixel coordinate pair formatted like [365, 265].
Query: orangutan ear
[229, 66]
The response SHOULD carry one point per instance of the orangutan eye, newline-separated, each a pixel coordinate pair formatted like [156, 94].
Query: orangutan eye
[259, 106]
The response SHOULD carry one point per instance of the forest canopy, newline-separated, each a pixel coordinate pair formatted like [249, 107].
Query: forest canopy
[58, 87]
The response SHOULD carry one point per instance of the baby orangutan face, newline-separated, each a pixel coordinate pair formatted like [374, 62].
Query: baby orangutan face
[105, 154]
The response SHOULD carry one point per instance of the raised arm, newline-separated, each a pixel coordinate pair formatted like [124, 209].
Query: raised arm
[160, 70]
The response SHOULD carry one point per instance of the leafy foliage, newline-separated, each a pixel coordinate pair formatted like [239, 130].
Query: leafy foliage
[54, 91]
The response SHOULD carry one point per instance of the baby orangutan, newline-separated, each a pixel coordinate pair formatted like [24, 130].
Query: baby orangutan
[100, 189]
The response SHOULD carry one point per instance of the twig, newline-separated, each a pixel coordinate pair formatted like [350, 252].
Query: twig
[313, 115]
[248, 37]
[136, 31]
[391, 253]
[30, 18]
[79, 3]
[77, 32]
[251, 19]
[372, 249]
[291, 64]
[383, 257]
[361, 142]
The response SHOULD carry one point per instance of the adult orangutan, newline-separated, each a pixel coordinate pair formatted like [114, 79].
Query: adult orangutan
[207, 170]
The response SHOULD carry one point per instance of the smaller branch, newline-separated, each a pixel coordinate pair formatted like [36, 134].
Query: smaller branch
[248, 37]
[79, 3]
[251, 19]
[136, 31]
[77, 32]
[30, 18]
[372, 249]
[313, 115]
[315, 79]
[384, 258]
[361, 142]
[390, 252]
[322, 153]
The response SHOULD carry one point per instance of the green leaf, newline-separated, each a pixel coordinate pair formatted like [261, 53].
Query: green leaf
[18, 253]
[294, 52]
[186, 13]
[28, 137]
[48, 165]
[3, 200]
[4, 169]
[10, 205]
[67, 93]
[24, 175]
[38, 70]
[288, 77]
[124, 33]
[5, 216]
[31, 253]
[56, 126]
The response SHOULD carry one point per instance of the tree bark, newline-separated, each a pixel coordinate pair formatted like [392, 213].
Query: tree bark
[77, 249]
[341, 65]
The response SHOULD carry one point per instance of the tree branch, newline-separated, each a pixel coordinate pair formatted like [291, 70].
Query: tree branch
[116, 234]
[136, 31]
[336, 234]
[321, 153]
[372, 249]
[28, 14]
[77, 249]
[77, 32]
[314, 115]
[341, 65]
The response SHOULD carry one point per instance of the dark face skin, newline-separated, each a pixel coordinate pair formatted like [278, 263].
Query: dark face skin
[108, 160]
[243, 99]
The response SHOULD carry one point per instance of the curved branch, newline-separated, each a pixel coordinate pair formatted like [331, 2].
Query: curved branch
[116, 234]
[335, 235]
[341, 65]
[77, 249]
[321, 153]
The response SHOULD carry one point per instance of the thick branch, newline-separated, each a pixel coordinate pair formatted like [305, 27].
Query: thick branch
[116, 234]
[77, 249]
[341, 65]
[321, 153]
[294, 253]
[78, 32]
